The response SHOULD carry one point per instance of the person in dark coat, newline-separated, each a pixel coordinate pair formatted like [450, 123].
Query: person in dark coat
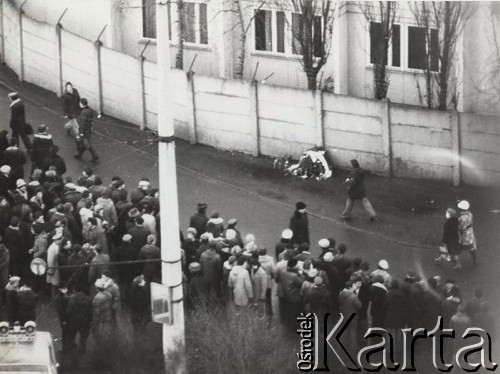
[151, 270]
[140, 313]
[11, 290]
[299, 224]
[18, 120]
[199, 220]
[41, 146]
[211, 272]
[14, 241]
[431, 306]
[357, 191]
[85, 131]
[79, 317]
[71, 108]
[7, 183]
[4, 143]
[26, 304]
[139, 235]
[16, 159]
[78, 276]
[378, 300]
[450, 240]
[126, 273]
[53, 159]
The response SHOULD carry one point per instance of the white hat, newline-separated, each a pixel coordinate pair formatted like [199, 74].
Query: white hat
[100, 283]
[312, 272]
[20, 183]
[328, 257]
[324, 243]
[5, 169]
[383, 264]
[463, 205]
[144, 184]
[287, 234]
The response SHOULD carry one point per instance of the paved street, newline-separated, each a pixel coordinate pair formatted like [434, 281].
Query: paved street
[131, 154]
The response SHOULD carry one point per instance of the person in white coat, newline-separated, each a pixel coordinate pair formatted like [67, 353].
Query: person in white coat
[53, 275]
[239, 282]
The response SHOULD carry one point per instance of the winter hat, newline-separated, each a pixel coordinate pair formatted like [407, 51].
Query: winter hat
[324, 243]
[215, 214]
[192, 230]
[14, 279]
[307, 265]
[236, 250]
[5, 169]
[134, 212]
[300, 205]
[383, 264]
[126, 238]
[463, 205]
[202, 207]
[287, 234]
[20, 183]
[328, 257]
[194, 267]
[318, 281]
[312, 273]
[232, 222]
[452, 212]
[292, 263]
[205, 237]
[100, 284]
[144, 184]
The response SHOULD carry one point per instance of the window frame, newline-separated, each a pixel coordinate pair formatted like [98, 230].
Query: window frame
[404, 49]
[172, 21]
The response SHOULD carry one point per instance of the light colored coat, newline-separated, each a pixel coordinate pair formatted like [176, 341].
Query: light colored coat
[239, 282]
[53, 276]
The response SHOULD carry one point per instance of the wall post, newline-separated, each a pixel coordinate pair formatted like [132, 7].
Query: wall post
[387, 135]
[21, 47]
[98, 45]
[319, 118]
[456, 145]
[2, 39]
[142, 84]
[254, 117]
[59, 58]
[191, 100]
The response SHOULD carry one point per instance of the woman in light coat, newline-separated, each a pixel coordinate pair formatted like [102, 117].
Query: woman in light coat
[239, 282]
[53, 275]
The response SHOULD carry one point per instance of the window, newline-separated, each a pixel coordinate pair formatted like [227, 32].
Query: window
[269, 31]
[149, 19]
[418, 46]
[195, 23]
[394, 52]
[297, 30]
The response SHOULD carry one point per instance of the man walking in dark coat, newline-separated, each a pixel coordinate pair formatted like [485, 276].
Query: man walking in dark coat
[79, 317]
[85, 129]
[450, 248]
[357, 191]
[42, 142]
[71, 108]
[18, 120]
[299, 224]
[199, 220]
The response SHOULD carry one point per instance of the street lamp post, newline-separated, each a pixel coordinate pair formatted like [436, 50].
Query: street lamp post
[173, 334]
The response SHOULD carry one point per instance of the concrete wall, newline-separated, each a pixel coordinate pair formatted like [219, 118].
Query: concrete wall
[257, 118]
[354, 128]
[480, 140]
[286, 119]
[422, 142]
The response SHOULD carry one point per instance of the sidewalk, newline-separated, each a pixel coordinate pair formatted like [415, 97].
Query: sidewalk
[411, 211]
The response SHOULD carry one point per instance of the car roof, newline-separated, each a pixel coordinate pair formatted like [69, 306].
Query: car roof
[24, 351]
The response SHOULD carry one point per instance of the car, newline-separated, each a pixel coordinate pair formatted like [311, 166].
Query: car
[25, 350]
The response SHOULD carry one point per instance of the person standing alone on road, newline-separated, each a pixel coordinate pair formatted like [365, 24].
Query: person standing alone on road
[71, 108]
[299, 224]
[450, 248]
[85, 131]
[466, 236]
[357, 191]
[18, 120]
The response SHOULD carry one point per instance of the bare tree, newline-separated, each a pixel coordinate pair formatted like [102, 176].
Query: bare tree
[244, 28]
[448, 19]
[181, 27]
[383, 14]
[312, 31]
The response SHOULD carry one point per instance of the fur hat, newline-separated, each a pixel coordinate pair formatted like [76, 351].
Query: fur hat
[194, 267]
[383, 264]
[300, 205]
[328, 257]
[463, 205]
[20, 183]
[5, 169]
[324, 243]
[287, 234]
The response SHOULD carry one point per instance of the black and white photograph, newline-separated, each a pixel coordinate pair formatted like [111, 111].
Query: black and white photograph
[249, 186]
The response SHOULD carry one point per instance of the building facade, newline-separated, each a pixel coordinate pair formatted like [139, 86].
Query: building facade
[219, 33]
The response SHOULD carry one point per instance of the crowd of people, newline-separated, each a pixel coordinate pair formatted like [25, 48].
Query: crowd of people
[101, 245]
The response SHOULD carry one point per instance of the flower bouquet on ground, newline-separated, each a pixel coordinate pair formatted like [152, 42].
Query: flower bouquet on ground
[312, 164]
